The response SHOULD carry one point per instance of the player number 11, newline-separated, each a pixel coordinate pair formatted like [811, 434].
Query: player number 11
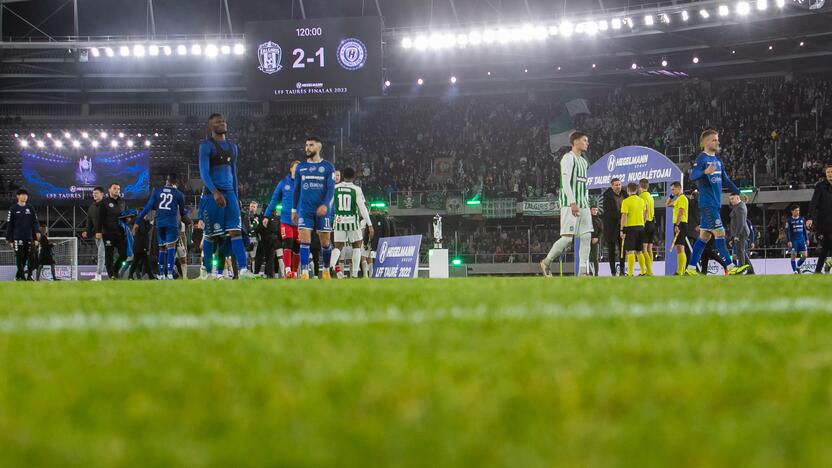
[301, 63]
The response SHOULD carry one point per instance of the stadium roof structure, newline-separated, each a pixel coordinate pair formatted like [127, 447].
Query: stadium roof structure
[89, 50]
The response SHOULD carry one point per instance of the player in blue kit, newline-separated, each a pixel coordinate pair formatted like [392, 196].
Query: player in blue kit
[169, 204]
[311, 205]
[709, 175]
[219, 207]
[796, 236]
[283, 196]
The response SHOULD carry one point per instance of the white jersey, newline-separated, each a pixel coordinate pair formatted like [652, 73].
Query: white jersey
[573, 169]
[348, 204]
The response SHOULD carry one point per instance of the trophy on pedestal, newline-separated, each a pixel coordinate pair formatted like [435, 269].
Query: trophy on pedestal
[437, 231]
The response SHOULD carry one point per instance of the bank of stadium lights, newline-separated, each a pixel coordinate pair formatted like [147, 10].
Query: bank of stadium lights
[155, 50]
[114, 144]
[76, 144]
[420, 82]
[695, 60]
[129, 143]
[94, 144]
[441, 40]
[453, 80]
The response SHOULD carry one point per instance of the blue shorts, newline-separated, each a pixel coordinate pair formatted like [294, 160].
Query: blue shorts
[167, 235]
[798, 247]
[709, 219]
[218, 220]
[313, 221]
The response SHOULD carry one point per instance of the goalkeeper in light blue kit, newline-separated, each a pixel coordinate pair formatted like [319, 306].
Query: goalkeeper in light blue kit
[796, 236]
[709, 175]
[312, 203]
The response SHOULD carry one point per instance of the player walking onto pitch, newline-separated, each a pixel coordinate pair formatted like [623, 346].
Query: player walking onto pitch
[709, 175]
[314, 190]
[283, 196]
[219, 207]
[796, 236]
[575, 216]
[168, 202]
[349, 202]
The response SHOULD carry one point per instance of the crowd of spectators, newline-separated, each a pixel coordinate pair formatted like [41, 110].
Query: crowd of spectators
[775, 130]
[779, 131]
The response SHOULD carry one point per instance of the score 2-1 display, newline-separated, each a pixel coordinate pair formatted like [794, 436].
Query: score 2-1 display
[299, 59]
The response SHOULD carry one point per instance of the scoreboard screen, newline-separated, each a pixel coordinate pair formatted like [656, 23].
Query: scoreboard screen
[300, 59]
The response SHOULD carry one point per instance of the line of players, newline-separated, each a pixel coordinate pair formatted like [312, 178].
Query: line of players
[319, 202]
[637, 215]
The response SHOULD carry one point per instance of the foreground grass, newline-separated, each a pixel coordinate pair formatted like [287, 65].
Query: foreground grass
[498, 372]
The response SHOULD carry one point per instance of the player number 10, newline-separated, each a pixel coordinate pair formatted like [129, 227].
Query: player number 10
[300, 54]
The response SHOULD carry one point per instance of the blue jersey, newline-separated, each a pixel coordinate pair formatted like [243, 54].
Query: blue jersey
[710, 185]
[218, 165]
[796, 230]
[168, 202]
[314, 186]
[283, 195]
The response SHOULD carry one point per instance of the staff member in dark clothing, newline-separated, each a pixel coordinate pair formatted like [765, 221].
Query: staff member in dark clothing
[597, 232]
[92, 227]
[109, 230]
[46, 256]
[267, 242]
[141, 248]
[820, 217]
[22, 232]
[612, 199]
[383, 226]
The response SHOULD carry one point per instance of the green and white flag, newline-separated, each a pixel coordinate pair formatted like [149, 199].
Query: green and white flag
[562, 126]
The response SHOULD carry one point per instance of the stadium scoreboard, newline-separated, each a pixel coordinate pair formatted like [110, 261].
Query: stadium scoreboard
[301, 59]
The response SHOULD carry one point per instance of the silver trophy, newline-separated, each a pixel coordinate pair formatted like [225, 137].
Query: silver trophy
[437, 231]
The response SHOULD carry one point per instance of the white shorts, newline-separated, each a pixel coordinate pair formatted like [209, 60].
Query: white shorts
[180, 251]
[575, 225]
[348, 236]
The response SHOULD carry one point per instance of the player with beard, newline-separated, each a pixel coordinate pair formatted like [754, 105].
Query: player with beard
[311, 205]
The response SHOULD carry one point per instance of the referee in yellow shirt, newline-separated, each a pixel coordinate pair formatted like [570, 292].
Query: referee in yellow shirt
[679, 202]
[632, 228]
[649, 224]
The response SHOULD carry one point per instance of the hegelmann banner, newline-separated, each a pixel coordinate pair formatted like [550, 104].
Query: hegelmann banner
[397, 257]
[631, 164]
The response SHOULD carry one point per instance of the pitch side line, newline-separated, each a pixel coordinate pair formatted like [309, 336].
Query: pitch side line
[120, 322]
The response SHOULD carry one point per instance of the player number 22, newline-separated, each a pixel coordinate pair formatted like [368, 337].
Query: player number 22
[166, 199]
[300, 54]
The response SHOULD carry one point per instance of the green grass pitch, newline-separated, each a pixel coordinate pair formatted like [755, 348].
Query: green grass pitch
[519, 372]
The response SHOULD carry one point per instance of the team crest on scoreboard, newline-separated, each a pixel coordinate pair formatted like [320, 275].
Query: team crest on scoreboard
[269, 55]
[352, 54]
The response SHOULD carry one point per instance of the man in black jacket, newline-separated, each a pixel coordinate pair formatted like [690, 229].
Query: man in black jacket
[820, 217]
[22, 232]
[597, 232]
[267, 242]
[612, 199]
[109, 230]
[92, 227]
